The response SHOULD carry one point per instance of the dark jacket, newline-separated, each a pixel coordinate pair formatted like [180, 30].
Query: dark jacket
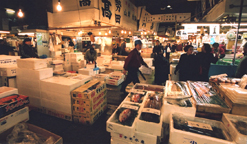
[158, 49]
[116, 50]
[122, 50]
[174, 48]
[204, 61]
[90, 55]
[5, 49]
[161, 69]
[28, 52]
[187, 67]
[134, 60]
[242, 68]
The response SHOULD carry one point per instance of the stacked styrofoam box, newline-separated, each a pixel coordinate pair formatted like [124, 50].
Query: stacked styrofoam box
[115, 78]
[89, 71]
[76, 57]
[55, 93]
[83, 78]
[168, 108]
[57, 65]
[101, 77]
[182, 136]
[101, 69]
[56, 53]
[29, 73]
[74, 61]
[8, 70]
[117, 65]
[104, 60]
[228, 120]
[6, 91]
[78, 65]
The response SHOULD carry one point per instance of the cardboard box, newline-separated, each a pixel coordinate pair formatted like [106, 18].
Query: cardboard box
[238, 137]
[117, 75]
[13, 119]
[35, 74]
[6, 91]
[31, 92]
[89, 119]
[31, 63]
[8, 70]
[59, 85]
[12, 103]
[83, 78]
[56, 97]
[96, 87]
[56, 106]
[181, 136]
[89, 108]
[39, 131]
[113, 126]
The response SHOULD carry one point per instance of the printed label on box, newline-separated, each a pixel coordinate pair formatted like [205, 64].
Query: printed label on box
[199, 125]
[151, 110]
[130, 107]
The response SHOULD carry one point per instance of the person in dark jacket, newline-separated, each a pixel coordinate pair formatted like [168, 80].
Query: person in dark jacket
[242, 67]
[123, 47]
[158, 48]
[91, 55]
[70, 42]
[205, 58]
[132, 64]
[174, 47]
[115, 49]
[4, 48]
[187, 65]
[27, 51]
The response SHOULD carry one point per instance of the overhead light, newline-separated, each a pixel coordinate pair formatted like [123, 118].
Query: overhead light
[9, 11]
[129, 32]
[29, 34]
[20, 13]
[125, 32]
[168, 6]
[141, 33]
[99, 33]
[106, 33]
[234, 24]
[199, 24]
[122, 31]
[59, 8]
[4, 32]
[109, 32]
[145, 33]
[155, 33]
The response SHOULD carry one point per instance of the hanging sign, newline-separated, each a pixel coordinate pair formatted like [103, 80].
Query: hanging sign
[181, 33]
[190, 28]
[231, 35]
[214, 29]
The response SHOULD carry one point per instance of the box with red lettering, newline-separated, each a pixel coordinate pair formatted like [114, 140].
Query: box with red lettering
[12, 103]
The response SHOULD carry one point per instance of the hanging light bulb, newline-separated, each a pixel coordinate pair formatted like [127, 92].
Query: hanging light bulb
[141, 33]
[125, 32]
[106, 34]
[109, 32]
[20, 13]
[99, 33]
[129, 32]
[59, 8]
[145, 33]
[122, 31]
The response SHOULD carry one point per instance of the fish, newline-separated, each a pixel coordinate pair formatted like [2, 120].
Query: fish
[124, 115]
[136, 98]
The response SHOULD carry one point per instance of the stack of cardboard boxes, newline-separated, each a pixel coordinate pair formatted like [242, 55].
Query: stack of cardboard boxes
[8, 70]
[30, 72]
[57, 65]
[89, 102]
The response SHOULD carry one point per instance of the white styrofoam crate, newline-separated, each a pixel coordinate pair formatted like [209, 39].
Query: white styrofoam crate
[85, 71]
[55, 62]
[101, 77]
[8, 70]
[118, 141]
[117, 67]
[31, 63]
[180, 136]
[167, 109]
[13, 119]
[32, 92]
[8, 60]
[65, 108]
[149, 127]
[83, 78]
[128, 99]
[148, 61]
[113, 126]
[59, 84]
[90, 66]
[8, 81]
[38, 74]
[114, 82]
[56, 97]
[67, 67]
[234, 133]
[117, 74]
[29, 83]
[6, 91]
[56, 53]
[35, 101]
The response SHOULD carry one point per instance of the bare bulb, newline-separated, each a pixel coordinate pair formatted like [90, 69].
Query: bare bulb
[109, 32]
[106, 34]
[99, 33]
[20, 13]
[122, 31]
[129, 32]
[59, 8]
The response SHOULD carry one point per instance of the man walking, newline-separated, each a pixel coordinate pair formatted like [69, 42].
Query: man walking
[132, 64]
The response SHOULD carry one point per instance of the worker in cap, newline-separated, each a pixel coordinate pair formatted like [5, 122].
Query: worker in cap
[132, 64]
[27, 51]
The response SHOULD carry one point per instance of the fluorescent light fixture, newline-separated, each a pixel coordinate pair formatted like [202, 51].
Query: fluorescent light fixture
[197, 30]
[29, 34]
[10, 11]
[200, 24]
[5, 32]
[241, 30]
[234, 24]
